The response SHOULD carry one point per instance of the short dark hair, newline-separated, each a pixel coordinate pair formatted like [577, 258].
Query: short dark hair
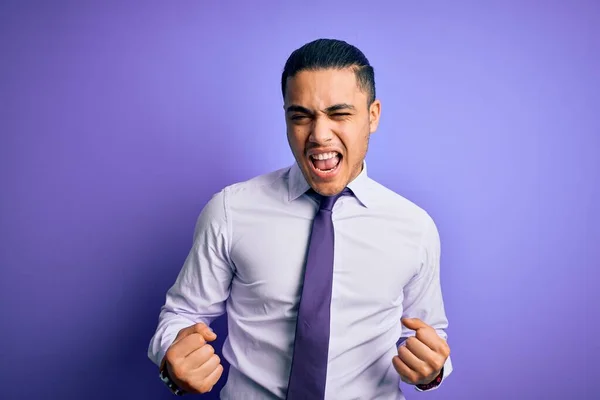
[331, 53]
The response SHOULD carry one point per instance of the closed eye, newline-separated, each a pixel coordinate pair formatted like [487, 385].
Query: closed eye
[340, 115]
[298, 117]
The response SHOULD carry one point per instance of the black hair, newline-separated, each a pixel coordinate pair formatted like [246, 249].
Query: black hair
[331, 53]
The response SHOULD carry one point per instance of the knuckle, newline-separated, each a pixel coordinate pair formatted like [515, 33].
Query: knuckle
[411, 340]
[205, 387]
[217, 358]
[202, 388]
[210, 349]
[446, 350]
[439, 364]
[169, 356]
[178, 371]
[426, 371]
[200, 339]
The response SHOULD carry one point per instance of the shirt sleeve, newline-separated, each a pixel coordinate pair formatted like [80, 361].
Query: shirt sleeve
[202, 286]
[423, 294]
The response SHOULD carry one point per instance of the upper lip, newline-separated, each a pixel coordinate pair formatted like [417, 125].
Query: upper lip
[321, 150]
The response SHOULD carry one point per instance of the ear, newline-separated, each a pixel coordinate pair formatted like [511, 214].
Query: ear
[374, 114]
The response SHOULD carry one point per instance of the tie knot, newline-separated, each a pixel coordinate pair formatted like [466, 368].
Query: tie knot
[327, 202]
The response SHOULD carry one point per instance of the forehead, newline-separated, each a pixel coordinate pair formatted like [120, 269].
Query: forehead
[324, 87]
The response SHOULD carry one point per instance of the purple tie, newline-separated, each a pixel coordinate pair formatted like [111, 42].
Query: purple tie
[311, 345]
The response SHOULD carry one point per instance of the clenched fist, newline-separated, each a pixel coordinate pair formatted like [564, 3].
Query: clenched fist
[421, 358]
[191, 362]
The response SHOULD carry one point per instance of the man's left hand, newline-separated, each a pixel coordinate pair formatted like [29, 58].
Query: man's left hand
[421, 357]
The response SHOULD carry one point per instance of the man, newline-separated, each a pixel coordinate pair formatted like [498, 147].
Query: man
[323, 272]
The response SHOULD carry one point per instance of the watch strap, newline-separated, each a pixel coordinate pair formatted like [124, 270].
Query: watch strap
[166, 378]
[436, 382]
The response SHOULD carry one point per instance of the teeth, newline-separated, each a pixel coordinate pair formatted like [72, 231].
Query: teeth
[324, 156]
[324, 170]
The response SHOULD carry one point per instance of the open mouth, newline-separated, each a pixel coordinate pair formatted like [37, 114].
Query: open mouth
[325, 164]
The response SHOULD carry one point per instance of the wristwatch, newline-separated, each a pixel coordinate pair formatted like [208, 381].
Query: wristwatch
[164, 376]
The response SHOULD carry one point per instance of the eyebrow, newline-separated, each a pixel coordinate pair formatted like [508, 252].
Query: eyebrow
[296, 108]
[330, 109]
[339, 107]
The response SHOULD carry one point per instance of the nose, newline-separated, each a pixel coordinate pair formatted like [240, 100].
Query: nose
[321, 132]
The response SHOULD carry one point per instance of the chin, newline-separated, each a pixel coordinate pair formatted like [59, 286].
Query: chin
[328, 190]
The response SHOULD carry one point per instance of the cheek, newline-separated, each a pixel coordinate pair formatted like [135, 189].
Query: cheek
[355, 142]
[296, 139]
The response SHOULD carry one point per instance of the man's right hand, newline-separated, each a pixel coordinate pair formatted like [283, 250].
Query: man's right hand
[191, 362]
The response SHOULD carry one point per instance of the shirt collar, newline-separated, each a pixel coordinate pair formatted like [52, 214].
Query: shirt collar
[360, 186]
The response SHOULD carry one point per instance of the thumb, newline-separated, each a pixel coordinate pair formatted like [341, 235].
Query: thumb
[207, 333]
[204, 330]
[413, 323]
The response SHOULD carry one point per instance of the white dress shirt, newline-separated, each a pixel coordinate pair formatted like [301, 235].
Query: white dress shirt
[248, 259]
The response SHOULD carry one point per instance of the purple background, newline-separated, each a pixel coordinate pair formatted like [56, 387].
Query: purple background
[119, 121]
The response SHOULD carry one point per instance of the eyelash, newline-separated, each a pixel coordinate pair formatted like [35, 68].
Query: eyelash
[299, 117]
